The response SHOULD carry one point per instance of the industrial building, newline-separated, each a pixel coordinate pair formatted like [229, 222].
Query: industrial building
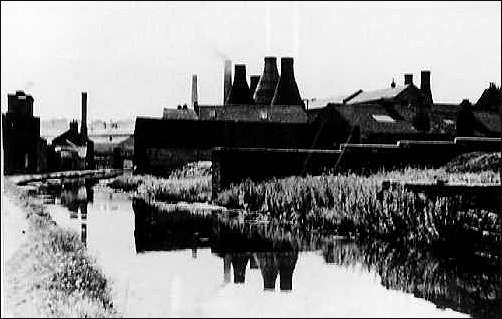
[273, 115]
[24, 151]
[270, 113]
[74, 150]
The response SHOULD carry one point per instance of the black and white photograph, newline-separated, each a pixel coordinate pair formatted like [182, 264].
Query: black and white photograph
[282, 159]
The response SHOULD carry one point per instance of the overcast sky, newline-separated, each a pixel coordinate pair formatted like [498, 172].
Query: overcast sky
[136, 58]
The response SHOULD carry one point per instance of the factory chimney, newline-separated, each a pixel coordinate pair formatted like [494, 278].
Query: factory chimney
[83, 123]
[425, 86]
[195, 98]
[253, 83]
[239, 93]
[268, 82]
[286, 92]
[227, 80]
[408, 78]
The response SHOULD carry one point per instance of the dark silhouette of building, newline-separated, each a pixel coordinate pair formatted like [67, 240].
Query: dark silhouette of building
[267, 84]
[24, 150]
[75, 150]
[240, 92]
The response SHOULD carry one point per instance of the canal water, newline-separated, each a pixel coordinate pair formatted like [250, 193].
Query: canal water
[180, 265]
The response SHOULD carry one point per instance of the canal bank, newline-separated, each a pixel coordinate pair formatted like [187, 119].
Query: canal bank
[46, 271]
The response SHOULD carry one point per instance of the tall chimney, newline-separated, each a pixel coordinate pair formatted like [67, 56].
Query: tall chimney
[265, 89]
[83, 124]
[253, 83]
[286, 92]
[425, 86]
[239, 93]
[227, 80]
[408, 78]
[195, 98]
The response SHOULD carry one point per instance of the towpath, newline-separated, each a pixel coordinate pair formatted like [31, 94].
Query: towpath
[14, 232]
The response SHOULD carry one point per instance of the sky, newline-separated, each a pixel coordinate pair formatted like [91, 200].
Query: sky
[135, 58]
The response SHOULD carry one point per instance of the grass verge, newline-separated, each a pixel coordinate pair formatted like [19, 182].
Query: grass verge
[51, 275]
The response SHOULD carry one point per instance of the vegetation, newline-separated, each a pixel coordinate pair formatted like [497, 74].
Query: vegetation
[353, 205]
[475, 162]
[192, 183]
[195, 169]
[51, 274]
[192, 189]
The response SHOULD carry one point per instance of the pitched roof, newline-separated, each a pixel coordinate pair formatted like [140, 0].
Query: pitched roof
[376, 95]
[177, 114]
[68, 137]
[363, 116]
[491, 99]
[254, 113]
[489, 120]
[322, 102]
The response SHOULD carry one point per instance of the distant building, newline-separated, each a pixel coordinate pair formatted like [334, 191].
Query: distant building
[402, 112]
[24, 150]
[74, 149]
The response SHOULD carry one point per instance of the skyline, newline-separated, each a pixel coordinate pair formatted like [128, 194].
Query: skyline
[134, 59]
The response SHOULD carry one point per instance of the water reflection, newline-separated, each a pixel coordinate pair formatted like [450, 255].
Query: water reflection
[268, 254]
[469, 286]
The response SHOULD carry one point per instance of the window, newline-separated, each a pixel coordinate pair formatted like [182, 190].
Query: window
[212, 114]
[382, 118]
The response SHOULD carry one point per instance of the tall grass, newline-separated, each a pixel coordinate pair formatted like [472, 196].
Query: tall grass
[192, 183]
[192, 189]
[349, 204]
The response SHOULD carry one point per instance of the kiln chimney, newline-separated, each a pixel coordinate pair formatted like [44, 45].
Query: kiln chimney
[227, 80]
[265, 89]
[408, 78]
[425, 86]
[239, 93]
[83, 123]
[195, 98]
[253, 83]
[286, 92]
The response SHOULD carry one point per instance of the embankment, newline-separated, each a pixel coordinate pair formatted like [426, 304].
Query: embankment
[51, 274]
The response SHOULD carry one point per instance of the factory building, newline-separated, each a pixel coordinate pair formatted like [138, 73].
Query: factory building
[267, 113]
[24, 151]
[74, 150]
[270, 113]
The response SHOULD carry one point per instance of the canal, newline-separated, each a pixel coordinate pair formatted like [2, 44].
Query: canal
[179, 264]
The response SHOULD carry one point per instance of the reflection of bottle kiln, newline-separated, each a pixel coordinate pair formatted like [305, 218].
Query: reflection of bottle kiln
[239, 263]
[268, 268]
[287, 263]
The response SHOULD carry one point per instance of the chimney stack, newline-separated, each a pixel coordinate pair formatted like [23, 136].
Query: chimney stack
[286, 92]
[425, 86]
[195, 98]
[408, 78]
[253, 83]
[227, 80]
[239, 93]
[83, 124]
[265, 89]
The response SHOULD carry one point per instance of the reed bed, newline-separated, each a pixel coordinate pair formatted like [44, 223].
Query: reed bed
[353, 205]
[191, 183]
[151, 188]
